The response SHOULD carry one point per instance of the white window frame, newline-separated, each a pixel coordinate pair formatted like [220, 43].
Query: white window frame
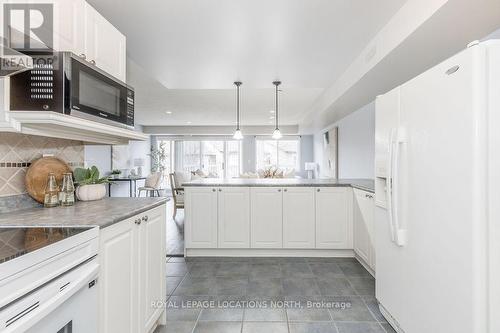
[178, 160]
[286, 138]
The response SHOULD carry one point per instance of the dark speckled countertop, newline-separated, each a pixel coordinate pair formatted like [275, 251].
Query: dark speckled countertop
[101, 213]
[362, 184]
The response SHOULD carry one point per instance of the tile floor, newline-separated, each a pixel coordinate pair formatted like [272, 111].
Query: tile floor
[175, 231]
[271, 295]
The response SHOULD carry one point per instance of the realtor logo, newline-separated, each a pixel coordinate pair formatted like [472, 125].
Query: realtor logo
[29, 27]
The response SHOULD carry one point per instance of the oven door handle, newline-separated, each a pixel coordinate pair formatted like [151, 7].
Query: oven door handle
[47, 306]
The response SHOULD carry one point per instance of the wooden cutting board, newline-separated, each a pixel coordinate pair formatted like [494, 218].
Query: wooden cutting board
[36, 176]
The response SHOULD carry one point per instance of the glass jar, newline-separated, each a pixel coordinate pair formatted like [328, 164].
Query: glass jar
[51, 198]
[67, 194]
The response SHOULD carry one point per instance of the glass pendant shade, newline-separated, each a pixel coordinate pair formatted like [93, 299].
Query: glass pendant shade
[238, 135]
[277, 134]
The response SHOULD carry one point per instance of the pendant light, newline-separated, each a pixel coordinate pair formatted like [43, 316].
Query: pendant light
[276, 134]
[237, 134]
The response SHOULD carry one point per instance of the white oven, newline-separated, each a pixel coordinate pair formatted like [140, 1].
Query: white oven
[58, 294]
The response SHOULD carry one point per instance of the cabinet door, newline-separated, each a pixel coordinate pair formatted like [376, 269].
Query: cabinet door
[234, 217]
[298, 218]
[118, 277]
[152, 266]
[362, 219]
[334, 218]
[266, 217]
[69, 26]
[201, 217]
[105, 44]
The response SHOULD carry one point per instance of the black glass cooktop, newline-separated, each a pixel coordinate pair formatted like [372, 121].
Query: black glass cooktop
[15, 242]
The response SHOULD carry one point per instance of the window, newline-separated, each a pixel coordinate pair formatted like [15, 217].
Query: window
[218, 157]
[162, 156]
[283, 154]
[212, 157]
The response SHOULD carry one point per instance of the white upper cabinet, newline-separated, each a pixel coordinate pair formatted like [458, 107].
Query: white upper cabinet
[334, 218]
[201, 217]
[266, 217]
[298, 218]
[79, 28]
[234, 217]
[105, 46]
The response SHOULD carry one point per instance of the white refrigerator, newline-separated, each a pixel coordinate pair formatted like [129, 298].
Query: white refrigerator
[437, 193]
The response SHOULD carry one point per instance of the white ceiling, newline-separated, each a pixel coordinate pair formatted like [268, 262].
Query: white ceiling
[197, 48]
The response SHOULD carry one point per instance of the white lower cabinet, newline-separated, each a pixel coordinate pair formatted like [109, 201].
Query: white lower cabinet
[132, 272]
[118, 277]
[234, 217]
[201, 217]
[152, 268]
[363, 227]
[334, 218]
[266, 217]
[299, 215]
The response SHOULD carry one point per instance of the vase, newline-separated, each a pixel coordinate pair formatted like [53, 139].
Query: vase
[91, 192]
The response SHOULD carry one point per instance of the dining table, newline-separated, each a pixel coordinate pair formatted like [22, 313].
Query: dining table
[132, 180]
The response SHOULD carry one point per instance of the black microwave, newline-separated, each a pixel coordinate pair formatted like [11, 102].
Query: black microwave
[65, 83]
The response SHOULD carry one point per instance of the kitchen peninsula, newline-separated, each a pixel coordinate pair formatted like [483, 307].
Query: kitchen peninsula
[280, 217]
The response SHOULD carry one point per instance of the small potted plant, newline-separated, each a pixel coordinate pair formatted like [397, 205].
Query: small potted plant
[115, 173]
[90, 186]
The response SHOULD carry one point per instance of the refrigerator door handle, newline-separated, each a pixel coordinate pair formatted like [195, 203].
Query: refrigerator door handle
[388, 184]
[399, 138]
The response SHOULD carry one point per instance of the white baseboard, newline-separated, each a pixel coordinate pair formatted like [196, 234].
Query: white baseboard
[364, 264]
[268, 253]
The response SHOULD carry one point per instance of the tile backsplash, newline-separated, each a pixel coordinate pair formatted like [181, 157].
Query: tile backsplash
[17, 151]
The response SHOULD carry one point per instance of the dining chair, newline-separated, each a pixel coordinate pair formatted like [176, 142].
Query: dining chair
[177, 193]
[152, 184]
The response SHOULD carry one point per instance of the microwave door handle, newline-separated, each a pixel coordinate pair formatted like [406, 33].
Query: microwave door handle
[48, 306]
[399, 234]
[388, 184]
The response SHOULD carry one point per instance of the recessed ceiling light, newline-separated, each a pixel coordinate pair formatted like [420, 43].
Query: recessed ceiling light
[168, 112]
[188, 122]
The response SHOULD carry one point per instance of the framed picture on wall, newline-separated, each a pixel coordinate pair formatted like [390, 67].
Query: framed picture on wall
[329, 165]
[120, 158]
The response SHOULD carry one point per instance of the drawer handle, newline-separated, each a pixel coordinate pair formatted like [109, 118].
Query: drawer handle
[368, 196]
[138, 221]
[145, 218]
[83, 56]
[92, 62]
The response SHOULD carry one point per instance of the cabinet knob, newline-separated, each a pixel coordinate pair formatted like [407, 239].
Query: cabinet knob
[138, 221]
[213, 190]
[279, 190]
[220, 190]
[145, 218]
[83, 56]
[92, 62]
[285, 190]
[369, 196]
[318, 190]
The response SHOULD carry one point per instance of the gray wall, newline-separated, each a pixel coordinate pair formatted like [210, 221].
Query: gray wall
[356, 148]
